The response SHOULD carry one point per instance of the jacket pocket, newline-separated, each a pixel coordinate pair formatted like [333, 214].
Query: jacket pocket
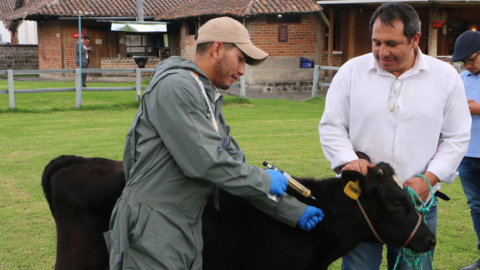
[116, 258]
[143, 220]
[163, 240]
[109, 237]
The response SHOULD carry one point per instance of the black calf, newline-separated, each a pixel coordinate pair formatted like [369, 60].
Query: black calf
[82, 192]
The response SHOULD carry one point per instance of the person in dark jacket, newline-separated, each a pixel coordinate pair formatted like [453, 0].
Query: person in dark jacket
[179, 149]
[85, 49]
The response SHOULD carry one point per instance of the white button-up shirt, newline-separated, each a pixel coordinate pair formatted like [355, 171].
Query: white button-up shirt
[429, 131]
[86, 53]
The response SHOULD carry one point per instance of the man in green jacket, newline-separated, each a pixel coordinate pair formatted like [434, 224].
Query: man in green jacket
[179, 148]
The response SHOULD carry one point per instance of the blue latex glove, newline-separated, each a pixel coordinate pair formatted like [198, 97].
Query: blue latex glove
[278, 182]
[310, 218]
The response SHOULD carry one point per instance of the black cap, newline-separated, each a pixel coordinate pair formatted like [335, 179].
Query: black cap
[467, 44]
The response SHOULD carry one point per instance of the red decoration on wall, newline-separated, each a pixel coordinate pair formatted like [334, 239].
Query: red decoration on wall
[75, 35]
[437, 23]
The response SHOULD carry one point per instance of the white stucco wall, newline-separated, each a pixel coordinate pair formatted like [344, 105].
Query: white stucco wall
[27, 33]
[4, 32]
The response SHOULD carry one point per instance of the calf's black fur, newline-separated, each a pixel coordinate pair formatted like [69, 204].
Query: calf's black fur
[82, 192]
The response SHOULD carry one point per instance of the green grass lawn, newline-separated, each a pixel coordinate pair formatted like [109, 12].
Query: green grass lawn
[282, 132]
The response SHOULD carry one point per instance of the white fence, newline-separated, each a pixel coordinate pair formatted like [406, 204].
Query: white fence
[78, 83]
[316, 71]
[138, 80]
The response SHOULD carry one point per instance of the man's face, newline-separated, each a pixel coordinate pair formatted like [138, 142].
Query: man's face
[85, 41]
[228, 68]
[473, 67]
[391, 48]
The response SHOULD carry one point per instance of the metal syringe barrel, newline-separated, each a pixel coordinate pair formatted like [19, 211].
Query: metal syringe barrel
[292, 182]
[297, 186]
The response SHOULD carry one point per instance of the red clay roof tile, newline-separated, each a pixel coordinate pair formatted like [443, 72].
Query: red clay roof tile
[7, 6]
[162, 9]
[239, 8]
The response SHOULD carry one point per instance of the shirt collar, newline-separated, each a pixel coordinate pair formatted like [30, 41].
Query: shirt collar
[217, 92]
[468, 73]
[420, 64]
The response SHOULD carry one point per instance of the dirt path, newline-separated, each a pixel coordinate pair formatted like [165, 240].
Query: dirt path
[297, 96]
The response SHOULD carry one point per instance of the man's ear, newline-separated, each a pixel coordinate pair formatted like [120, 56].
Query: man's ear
[217, 50]
[415, 40]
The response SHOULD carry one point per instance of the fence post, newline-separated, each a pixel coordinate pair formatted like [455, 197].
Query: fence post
[78, 88]
[315, 81]
[138, 84]
[11, 92]
[242, 86]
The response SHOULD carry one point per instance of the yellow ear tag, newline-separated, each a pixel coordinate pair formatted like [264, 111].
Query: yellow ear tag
[353, 190]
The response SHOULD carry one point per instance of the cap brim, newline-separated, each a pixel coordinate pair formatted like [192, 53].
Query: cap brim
[457, 56]
[255, 56]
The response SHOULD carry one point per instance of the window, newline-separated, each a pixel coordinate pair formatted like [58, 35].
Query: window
[336, 33]
[455, 29]
[192, 28]
[145, 43]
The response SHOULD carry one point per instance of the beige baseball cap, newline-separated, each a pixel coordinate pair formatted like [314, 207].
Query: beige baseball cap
[228, 30]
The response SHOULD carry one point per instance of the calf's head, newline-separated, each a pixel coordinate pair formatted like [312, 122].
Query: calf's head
[389, 209]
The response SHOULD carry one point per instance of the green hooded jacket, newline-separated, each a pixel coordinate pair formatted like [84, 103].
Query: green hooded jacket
[173, 159]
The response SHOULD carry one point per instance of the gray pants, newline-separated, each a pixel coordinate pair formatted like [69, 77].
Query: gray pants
[84, 75]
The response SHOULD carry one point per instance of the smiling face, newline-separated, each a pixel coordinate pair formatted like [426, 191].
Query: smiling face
[228, 68]
[391, 48]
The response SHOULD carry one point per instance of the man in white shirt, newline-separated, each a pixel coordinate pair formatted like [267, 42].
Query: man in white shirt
[398, 106]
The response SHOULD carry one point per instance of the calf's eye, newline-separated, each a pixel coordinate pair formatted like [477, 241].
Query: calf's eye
[398, 205]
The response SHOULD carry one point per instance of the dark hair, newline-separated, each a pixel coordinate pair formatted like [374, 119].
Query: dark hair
[86, 37]
[398, 11]
[202, 48]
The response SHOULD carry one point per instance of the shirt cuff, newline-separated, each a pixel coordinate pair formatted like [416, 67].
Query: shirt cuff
[444, 173]
[341, 159]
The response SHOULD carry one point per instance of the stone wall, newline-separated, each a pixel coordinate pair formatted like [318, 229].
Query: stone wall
[125, 63]
[278, 87]
[17, 57]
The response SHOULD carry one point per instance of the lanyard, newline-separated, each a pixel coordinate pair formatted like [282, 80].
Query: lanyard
[215, 125]
[212, 119]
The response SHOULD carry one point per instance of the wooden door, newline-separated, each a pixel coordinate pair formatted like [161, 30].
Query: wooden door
[98, 40]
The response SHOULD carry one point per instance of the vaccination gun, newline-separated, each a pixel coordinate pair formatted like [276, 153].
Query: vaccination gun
[291, 182]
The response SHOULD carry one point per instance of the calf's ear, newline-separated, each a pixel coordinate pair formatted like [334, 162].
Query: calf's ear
[353, 182]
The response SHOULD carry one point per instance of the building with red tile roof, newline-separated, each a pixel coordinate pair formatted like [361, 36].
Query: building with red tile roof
[329, 32]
